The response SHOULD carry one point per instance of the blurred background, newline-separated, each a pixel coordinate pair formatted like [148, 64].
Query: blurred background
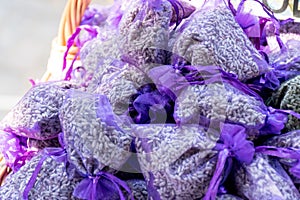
[27, 29]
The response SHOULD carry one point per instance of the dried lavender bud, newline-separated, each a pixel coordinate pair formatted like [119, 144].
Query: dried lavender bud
[93, 138]
[144, 33]
[213, 37]
[287, 97]
[51, 183]
[227, 197]
[290, 139]
[178, 161]
[264, 179]
[41, 144]
[219, 102]
[36, 115]
[98, 58]
[138, 189]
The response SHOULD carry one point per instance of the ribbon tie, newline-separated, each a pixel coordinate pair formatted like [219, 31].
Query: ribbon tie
[96, 187]
[233, 144]
[276, 119]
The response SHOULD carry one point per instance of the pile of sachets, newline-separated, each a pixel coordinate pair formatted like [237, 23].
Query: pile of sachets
[170, 101]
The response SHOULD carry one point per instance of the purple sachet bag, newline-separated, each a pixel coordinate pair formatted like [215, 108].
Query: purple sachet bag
[288, 97]
[187, 162]
[36, 114]
[264, 179]
[144, 32]
[213, 37]
[96, 144]
[170, 158]
[43, 177]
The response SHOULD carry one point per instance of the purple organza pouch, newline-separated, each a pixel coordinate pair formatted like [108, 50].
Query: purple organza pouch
[36, 114]
[144, 32]
[43, 177]
[264, 179]
[213, 37]
[96, 142]
[18, 150]
[286, 148]
[186, 162]
[288, 97]
[208, 95]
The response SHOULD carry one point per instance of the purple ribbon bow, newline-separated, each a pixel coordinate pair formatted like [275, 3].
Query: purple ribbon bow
[233, 145]
[58, 154]
[97, 187]
[289, 153]
[276, 119]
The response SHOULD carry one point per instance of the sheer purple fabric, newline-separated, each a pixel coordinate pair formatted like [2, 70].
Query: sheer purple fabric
[233, 144]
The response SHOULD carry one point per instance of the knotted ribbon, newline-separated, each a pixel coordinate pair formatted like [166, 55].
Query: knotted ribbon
[289, 153]
[92, 188]
[276, 119]
[232, 144]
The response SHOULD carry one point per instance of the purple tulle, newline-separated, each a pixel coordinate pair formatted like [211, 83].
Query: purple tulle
[104, 111]
[152, 105]
[15, 150]
[248, 22]
[233, 144]
[275, 122]
[93, 17]
[93, 188]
